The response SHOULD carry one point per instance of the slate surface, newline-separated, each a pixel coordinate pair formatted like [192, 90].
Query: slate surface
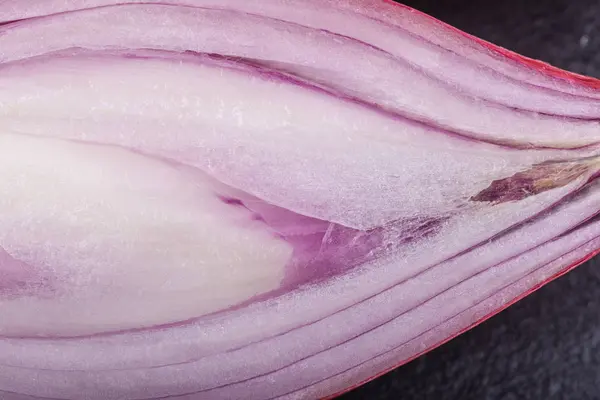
[548, 345]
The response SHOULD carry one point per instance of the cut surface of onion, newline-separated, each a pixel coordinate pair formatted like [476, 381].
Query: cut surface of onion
[205, 199]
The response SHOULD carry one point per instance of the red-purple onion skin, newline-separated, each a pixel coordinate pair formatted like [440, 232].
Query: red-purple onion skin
[480, 321]
[241, 220]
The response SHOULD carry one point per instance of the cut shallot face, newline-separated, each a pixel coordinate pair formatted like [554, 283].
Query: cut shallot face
[206, 199]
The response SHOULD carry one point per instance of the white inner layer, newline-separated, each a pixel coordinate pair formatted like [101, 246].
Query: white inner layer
[127, 240]
[310, 153]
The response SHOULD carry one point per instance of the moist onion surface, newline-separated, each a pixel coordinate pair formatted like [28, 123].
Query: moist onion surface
[205, 199]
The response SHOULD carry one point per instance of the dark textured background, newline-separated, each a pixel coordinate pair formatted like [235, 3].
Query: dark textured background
[548, 345]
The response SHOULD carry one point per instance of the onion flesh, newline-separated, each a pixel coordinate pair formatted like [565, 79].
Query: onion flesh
[206, 199]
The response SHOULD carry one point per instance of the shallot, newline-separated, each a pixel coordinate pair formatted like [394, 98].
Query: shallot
[274, 199]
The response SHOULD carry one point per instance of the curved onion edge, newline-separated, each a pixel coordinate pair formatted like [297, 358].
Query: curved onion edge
[547, 69]
[543, 66]
[477, 323]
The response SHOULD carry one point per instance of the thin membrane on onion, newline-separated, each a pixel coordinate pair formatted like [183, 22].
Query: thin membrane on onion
[275, 199]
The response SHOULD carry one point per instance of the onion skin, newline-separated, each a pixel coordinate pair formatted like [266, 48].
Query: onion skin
[198, 204]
